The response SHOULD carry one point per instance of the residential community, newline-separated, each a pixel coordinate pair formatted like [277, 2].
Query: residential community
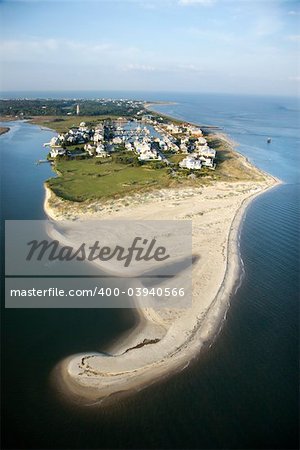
[148, 138]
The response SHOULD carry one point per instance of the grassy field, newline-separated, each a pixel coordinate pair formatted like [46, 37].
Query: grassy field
[87, 179]
[62, 124]
[176, 158]
[95, 178]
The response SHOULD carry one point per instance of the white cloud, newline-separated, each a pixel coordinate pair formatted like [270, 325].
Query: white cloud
[211, 34]
[140, 67]
[267, 25]
[297, 78]
[190, 68]
[294, 37]
[63, 51]
[196, 2]
[15, 48]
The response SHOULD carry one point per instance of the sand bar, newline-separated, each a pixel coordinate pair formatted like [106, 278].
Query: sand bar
[173, 337]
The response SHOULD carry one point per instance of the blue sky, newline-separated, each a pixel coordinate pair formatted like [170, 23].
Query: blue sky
[176, 45]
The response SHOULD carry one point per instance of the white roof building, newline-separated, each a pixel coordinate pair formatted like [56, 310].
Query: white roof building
[117, 140]
[57, 151]
[190, 163]
[142, 147]
[149, 155]
[101, 153]
[128, 146]
[207, 162]
[97, 137]
[194, 131]
[183, 148]
[207, 152]
[173, 128]
[53, 141]
[90, 149]
[201, 140]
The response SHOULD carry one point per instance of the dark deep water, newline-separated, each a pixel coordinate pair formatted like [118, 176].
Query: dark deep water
[243, 391]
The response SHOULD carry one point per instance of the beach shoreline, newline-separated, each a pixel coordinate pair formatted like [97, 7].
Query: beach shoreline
[217, 210]
[104, 377]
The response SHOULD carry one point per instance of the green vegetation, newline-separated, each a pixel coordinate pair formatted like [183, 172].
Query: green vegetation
[230, 165]
[36, 107]
[122, 174]
[90, 179]
[128, 158]
[63, 124]
[83, 178]
[46, 107]
[76, 147]
[175, 158]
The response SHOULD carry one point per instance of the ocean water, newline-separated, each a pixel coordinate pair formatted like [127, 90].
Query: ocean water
[240, 393]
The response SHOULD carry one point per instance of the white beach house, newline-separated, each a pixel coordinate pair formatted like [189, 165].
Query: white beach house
[190, 163]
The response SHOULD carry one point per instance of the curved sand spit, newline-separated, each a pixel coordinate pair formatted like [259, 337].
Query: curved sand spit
[166, 340]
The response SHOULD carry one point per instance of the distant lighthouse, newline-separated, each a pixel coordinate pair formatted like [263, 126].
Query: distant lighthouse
[77, 110]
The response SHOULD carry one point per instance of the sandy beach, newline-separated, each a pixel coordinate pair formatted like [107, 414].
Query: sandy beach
[174, 337]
